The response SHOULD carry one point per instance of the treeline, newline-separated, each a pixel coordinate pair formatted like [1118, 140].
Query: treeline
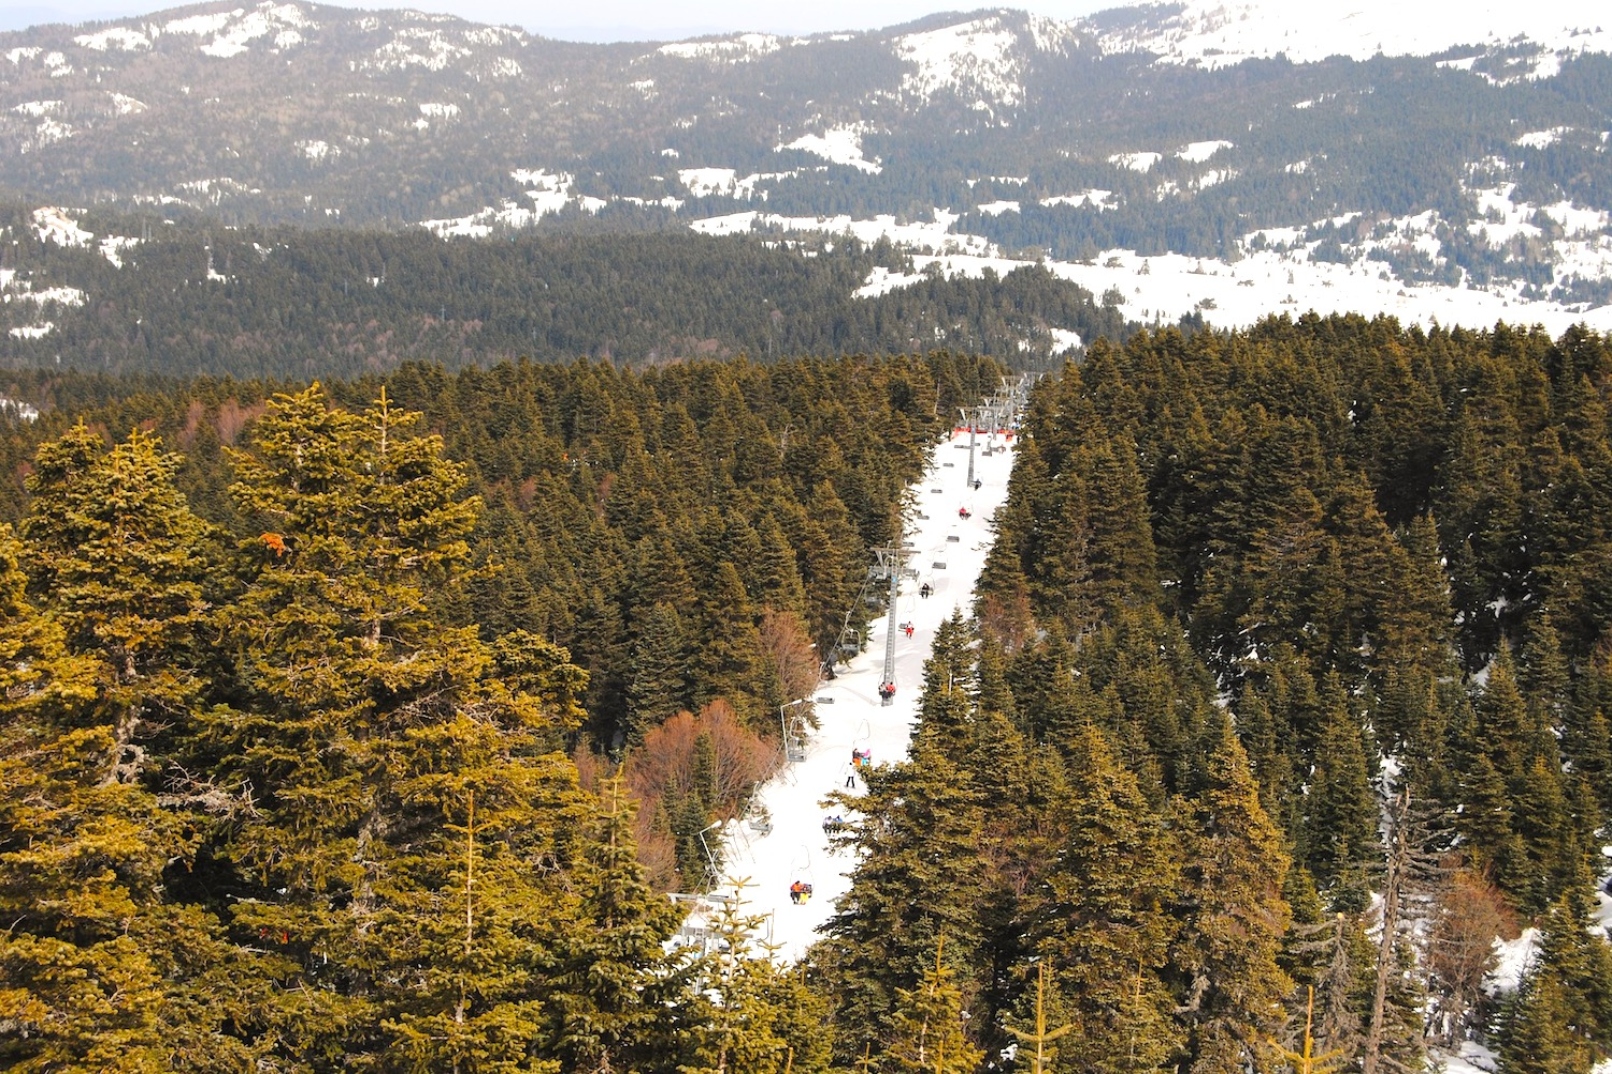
[1288, 694]
[299, 304]
[286, 772]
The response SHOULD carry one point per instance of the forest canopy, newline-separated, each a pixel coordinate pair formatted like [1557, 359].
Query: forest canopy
[370, 729]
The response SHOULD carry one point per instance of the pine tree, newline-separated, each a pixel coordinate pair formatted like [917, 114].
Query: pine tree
[1340, 810]
[927, 1027]
[920, 878]
[1232, 915]
[756, 1018]
[366, 728]
[660, 669]
[1102, 919]
[118, 552]
[100, 969]
[616, 990]
[1040, 1037]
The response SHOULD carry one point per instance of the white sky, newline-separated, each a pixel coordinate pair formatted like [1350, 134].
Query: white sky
[608, 20]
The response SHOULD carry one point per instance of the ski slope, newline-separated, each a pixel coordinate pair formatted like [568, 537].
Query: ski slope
[848, 710]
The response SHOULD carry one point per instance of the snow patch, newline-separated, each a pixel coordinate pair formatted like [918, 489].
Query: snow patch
[934, 237]
[18, 409]
[1095, 199]
[112, 248]
[1541, 139]
[438, 111]
[125, 106]
[36, 108]
[997, 208]
[1223, 33]
[54, 225]
[33, 331]
[415, 46]
[703, 182]
[740, 48]
[120, 38]
[841, 145]
[978, 58]
[549, 192]
[17, 55]
[1198, 152]
[314, 149]
[1136, 162]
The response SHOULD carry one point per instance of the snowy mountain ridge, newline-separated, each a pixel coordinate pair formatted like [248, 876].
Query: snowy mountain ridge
[1222, 33]
[1368, 154]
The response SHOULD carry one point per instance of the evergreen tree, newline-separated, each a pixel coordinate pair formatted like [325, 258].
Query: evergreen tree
[1102, 921]
[660, 670]
[1232, 916]
[618, 995]
[118, 552]
[370, 732]
[926, 1033]
[100, 969]
[1340, 810]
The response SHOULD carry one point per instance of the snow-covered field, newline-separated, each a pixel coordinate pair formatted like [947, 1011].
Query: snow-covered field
[848, 708]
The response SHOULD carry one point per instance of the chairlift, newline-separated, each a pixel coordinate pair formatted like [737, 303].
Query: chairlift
[800, 872]
[939, 565]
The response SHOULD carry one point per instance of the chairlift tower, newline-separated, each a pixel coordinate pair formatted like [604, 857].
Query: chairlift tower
[890, 566]
[793, 724]
[974, 418]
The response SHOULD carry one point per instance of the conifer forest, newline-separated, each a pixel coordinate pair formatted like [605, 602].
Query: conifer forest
[365, 724]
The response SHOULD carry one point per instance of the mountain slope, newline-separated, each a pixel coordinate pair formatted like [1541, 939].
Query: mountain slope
[1448, 154]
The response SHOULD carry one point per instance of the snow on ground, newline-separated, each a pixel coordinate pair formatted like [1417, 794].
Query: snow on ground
[1516, 957]
[740, 48]
[978, 57]
[1541, 139]
[1198, 152]
[1223, 33]
[18, 409]
[931, 235]
[1096, 199]
[549, 193]
[848, 710]
[54, 225]
[705, 181]
[124, 105]
[841, 145]
[1136, 162]
[1163, 289]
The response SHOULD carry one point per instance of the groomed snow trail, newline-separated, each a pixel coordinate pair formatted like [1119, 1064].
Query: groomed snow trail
[949, 555]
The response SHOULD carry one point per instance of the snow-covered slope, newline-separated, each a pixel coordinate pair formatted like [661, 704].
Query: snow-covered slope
[950, 552]
[1217, 33]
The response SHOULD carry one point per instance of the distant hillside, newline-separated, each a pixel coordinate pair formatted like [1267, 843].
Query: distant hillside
[1467, 153]
[291, 303]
